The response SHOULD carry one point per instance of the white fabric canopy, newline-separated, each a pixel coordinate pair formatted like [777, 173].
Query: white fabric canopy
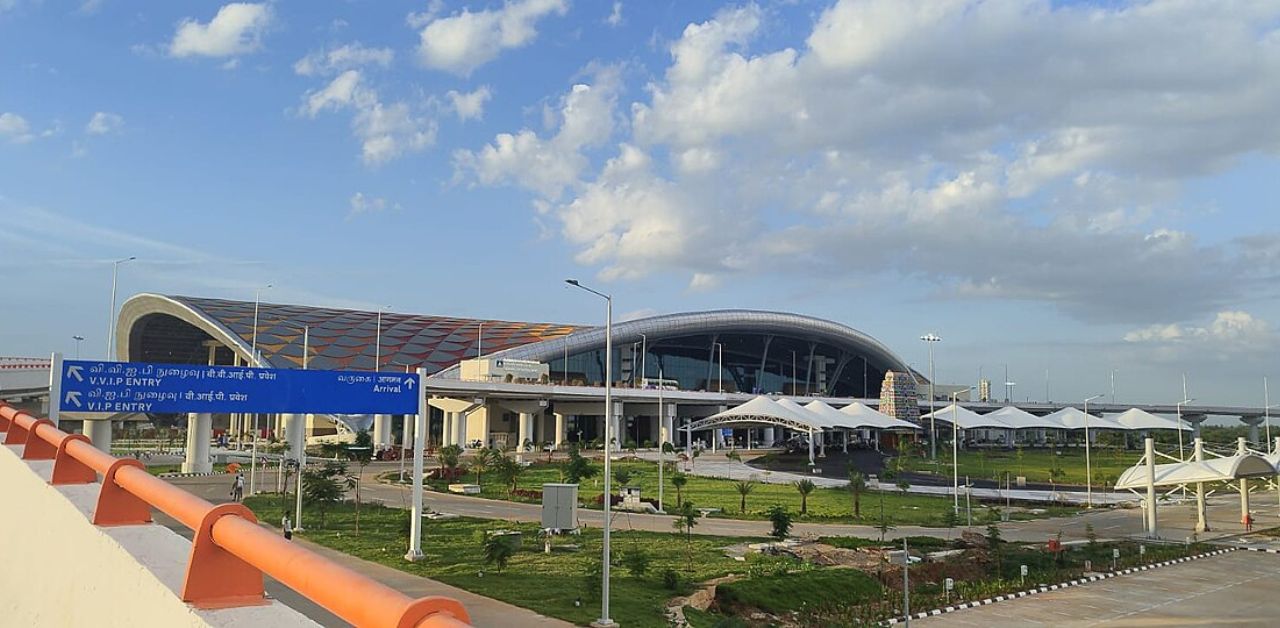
[866, 416]
[1210, 470]
[833, 416]
[814, 417]
[760, 410]
[966, 419]
[1021, 419]
[1137, 419]
[1074, 419]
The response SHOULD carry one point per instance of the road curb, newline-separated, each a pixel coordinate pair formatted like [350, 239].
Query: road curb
[1070, 583]
[189, 475]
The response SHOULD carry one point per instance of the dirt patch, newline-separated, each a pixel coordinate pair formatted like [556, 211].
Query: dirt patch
[701, 599]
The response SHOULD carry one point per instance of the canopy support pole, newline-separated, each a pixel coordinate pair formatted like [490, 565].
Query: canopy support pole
[1244, 487]
[1151, 487]
[811, 447]
[1202, 521]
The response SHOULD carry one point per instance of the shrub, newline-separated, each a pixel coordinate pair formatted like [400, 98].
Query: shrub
[670, 580]
[636, 561]
[781, 520]
[497, 550]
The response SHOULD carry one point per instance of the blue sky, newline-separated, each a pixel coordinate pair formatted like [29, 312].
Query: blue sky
[1066, 186]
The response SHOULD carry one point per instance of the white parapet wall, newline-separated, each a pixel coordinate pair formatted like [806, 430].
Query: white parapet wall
[58, 569]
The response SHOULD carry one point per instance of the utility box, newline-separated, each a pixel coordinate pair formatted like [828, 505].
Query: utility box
[560, 506]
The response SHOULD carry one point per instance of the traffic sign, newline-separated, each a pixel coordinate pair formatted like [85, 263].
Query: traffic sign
[93, 386]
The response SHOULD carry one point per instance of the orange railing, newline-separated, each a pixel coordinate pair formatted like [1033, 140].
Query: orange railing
[230, 551]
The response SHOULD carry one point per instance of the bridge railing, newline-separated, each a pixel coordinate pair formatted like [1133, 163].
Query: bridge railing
[230, 552]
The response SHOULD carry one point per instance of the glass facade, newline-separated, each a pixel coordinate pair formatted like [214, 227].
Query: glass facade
[733, 362]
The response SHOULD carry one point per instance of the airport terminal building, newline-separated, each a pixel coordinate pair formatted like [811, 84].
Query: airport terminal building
[702, 361]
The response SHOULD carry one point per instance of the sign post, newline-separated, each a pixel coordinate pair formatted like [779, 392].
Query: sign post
[55, 387]
[1022, 576]
[419, 443]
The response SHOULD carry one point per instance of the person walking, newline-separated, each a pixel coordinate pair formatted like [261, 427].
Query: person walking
[237, 487]
[287, 527]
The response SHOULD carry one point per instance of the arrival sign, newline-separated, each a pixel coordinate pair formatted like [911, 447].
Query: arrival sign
[92, 386]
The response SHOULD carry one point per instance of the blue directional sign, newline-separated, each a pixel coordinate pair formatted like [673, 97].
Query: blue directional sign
[91, 386]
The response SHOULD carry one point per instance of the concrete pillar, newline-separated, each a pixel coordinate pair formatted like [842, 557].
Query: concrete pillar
[446, 430]
[844, 440]
[769, 437]
[561, 428]
[199, 432]
[1243, 447]
[1202, 519]
[822, 441]
[295, 433]
[525, 433]
[1253, 422]
[381, 430]
[1151, 487]
[485, 416]
[811, 447]
[100, 433]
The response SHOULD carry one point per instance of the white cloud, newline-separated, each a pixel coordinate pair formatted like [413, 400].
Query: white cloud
[469, 105]
[464, 41]
[615, 16]
[1231, 331]
[903, 138]
[547, 165]
[14, 128]
[102, 123]
[347, 57]
[237, 29]
[385, 130]
[361, 204]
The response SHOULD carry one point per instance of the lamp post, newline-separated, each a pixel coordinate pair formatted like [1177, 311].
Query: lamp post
[955, 448]
[79, 339]
[111, 315]
[662, 421]
[377, 341]
[1266, 407]
[930, 339]
[253, 362]
[1088, 467]
[1180, 405]
[1113, 387]
[605, 620]
[302, 453]
[644, 354]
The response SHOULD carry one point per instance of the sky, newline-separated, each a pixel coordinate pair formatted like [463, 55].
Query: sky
[1074, 191]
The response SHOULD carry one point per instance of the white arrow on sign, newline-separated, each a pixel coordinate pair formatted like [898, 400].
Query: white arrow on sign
[73, 396]
[74, 371]
[409, 382]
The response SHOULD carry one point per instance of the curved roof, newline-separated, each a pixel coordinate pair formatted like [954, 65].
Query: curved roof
[339, 339]
[1021, 419]
[714, 321]
[1074, 419]
[1138, 419]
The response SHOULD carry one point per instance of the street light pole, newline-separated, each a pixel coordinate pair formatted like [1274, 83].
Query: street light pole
[111, 315]
[929, 339]
[644, 355]
[253, 362]
[720, 376]
[301, 454]
[605, 621]
[79, 339]
[955, 449]
[1113, 387]
[1088, 467]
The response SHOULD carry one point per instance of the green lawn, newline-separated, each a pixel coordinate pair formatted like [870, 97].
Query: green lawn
[797, 591]
[824, 504]
[546, 583]
[1034, 464]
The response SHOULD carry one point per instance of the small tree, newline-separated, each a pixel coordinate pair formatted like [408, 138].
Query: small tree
[904, 486]
[622, 476]
[1090, 534]
[578, 468]
[636, 561]
[805, 487]
[321, 487]
[449, 456]
[361, 453]
[950, 518]
[857, 484]
[744, 488]
[686, 519]
[483, 462]
[781, 520]
[993, 542]
[508, 471]
[734, 455]
[679, 480]
[497, 550]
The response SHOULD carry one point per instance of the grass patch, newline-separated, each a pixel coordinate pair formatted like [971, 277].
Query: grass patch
[546, 583]
[783, 593]
[824, 504]
[1034, 464]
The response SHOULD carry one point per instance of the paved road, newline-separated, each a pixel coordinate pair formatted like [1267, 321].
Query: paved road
[1235, 589]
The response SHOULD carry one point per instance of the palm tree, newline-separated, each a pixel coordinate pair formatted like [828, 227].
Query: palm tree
[805, 487]
[857, 484]
[678, 480]
[449, 456]
[744, 488]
